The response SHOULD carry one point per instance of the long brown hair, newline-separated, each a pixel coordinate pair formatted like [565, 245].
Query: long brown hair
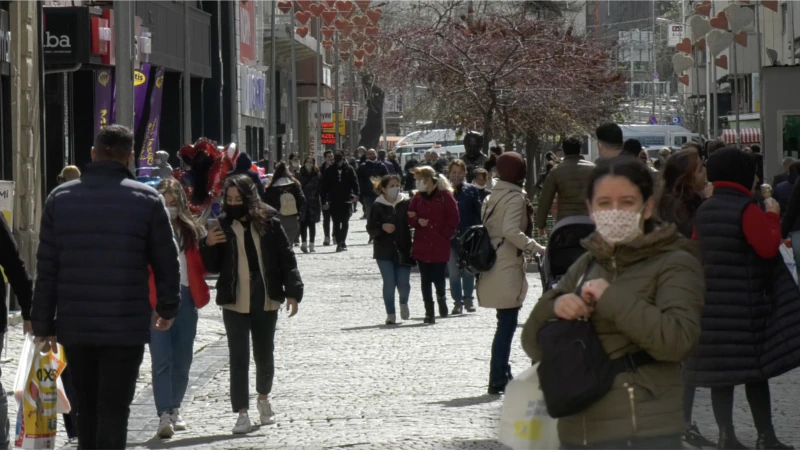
[680, 199]
[190, 231]
[258, 211]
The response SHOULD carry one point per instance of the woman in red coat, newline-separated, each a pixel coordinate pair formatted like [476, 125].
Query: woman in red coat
[171, 351]
[433, 214]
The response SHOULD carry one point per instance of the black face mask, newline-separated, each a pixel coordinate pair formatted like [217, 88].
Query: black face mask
[237, 212]
[338, 159]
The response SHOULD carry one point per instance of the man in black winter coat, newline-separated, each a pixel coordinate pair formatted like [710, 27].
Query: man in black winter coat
[339, 190]
[99, 237]
[372, 168]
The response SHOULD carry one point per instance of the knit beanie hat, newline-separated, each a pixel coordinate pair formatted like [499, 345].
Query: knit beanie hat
[732, 165]
[511, 168]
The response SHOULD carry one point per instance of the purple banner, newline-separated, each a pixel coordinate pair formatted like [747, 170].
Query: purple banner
[150, 147]
[141, 79]
[103, 99]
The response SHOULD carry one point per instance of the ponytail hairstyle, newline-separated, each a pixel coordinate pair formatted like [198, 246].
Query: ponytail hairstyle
[427, 173]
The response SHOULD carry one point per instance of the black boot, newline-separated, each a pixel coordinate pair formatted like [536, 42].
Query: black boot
[768, 440]
[443, 311]
[693, 437]
[430, 316]
[727, 439]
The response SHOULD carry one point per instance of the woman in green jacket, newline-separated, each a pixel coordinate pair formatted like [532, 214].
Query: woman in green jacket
[643, 291]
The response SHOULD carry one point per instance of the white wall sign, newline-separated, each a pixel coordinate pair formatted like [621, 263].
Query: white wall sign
[675, 34]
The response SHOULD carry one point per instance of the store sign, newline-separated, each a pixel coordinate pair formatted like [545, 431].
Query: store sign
[247, 31]
[327, 113]
[5, 44]
[675, 34]
[328, 127]
[67, 35]
[328, 139]
[253, 91]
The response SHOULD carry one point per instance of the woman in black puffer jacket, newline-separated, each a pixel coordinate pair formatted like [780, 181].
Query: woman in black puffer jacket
[387, 224]
[310, 179]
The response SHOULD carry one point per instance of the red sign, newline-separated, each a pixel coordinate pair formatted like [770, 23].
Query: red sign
[247, 31]
[328, 138]
[101, 36]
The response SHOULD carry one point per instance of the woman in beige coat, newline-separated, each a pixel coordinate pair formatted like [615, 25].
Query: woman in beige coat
[507, 215]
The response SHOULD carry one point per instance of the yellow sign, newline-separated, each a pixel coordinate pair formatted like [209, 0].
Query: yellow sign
[138, 78]
[104, 78]
[327, 127]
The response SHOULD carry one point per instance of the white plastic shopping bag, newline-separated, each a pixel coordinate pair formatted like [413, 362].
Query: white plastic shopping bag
[788, 259]
[525, 424]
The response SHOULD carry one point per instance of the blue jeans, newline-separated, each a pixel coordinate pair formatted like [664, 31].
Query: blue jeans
[653, 443]
[462, 282]
[394, 277]
[499, 369]
[171, 352]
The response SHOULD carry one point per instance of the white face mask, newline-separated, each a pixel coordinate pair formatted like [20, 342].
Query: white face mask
[392, 192]
[617, 226]
[309, 166]
[422, 186]
[173, 212]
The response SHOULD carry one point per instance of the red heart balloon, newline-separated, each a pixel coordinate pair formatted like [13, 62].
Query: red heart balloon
[344, 6]
[316, 9]
[328, 32]
[344, 55]
[685, 46]
[684, 79]
[329, 16]
[327, 44]
[348, 30]
[330, 3]
[304, 4]
[771, 4]
[722, 62]
[341, 24]
[372, 31]
[720, 22]
[285, 7]
[360, 21]
[302, 32]
[369, 47]
[374, 15]
[302, 17]
[349, 13]
[358, 64]
[359, 54]
[741, 39]
[363, 4]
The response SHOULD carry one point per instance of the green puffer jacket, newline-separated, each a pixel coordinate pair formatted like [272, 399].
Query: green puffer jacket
[654, 303]
[569, 180]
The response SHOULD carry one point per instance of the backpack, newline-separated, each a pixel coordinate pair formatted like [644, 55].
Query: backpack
[575, 370]
[476, 253]
[288, 204]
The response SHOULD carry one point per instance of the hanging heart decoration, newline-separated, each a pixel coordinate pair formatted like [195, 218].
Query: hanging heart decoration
[330, 3]
[348, 30]
[685, 46]
[344, 45]
[739, 17]
[328, 32]
[770, 4]
[700, 27]
[358, 64]
[316, 9]
[718, 40]
[327, 44]
[302, 17]
[684, 79]
[370, 47]
[344, 6]
[360, 21]
[359, 54]
[682, 63]
[341, 24]
[329, 16]
[372, 31]
[345, 56]
[363, 4]
[302, 31]
[349, 13]
[358, 39]
[722, 62]
[720, 22]
[741, 38]
[374, 15]
[304, 4]
[285, 7]
[703, 8]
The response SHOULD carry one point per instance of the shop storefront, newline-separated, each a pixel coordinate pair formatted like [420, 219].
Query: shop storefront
[6, 172]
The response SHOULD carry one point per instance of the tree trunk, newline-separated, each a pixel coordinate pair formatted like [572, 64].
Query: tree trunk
[508, 135]
[532, 157]
[373, 125]
[487, 130]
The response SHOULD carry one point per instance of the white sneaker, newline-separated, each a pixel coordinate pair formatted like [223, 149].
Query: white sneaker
[391, 319]
[165, 430]
[178, 424]
[311, 248]
[242, 424]
[265, 410]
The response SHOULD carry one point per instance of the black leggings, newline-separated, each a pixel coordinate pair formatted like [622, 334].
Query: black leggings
[326, 223]
[758, 397]
[308, 229]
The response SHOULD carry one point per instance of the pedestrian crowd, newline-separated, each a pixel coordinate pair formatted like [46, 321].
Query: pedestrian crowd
[682, 280]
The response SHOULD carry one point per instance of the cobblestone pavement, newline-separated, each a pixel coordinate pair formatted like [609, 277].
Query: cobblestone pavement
[345, 380]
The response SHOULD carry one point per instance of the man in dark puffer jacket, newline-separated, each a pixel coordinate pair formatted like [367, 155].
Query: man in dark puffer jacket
[98, 236]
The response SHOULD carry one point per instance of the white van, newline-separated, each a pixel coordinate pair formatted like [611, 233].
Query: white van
[652, 137]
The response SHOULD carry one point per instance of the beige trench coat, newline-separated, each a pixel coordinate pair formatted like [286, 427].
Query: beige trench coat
[505, 286]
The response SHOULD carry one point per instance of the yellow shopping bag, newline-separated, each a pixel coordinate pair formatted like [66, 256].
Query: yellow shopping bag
[36, 416]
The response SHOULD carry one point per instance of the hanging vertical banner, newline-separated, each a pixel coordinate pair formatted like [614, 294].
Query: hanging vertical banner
[147, 158]
[141, 79]
[103, 98]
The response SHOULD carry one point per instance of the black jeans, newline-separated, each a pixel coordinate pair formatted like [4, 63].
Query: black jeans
[308, 229]
[758, 397]
[326, 223]
[499, 368]
[432, 274]
[239, 327]
[71, 419]
[688, 402]
[105, 381]
[340, 213]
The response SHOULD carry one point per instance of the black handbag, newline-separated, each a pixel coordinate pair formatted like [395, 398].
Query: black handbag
[476, 252]
[575, 370]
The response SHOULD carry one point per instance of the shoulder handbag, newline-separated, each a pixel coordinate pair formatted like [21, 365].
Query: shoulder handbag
[575, 370]
[476, 253]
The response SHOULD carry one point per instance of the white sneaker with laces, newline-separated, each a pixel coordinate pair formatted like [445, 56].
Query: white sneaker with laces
[242, 424]
[165, 430]
[178, 424]
[265, 411]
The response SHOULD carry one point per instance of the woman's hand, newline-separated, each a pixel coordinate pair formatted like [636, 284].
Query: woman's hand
[593, 290]
[291, 305]
[572, 307]
[388, 228]
[422, 222]
[412, 214]
[215, 236]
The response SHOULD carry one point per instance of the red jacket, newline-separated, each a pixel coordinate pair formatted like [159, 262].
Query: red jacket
[197, 280]
[432, 242]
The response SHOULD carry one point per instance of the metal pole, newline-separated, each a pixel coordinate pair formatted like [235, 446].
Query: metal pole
[221, 73]
[352, 111]
[336, 110]
[791, 11]
[187, 76]
[760, 65]
[293, 89]
[124, 69]
[712, 87]
[654, 56]
[273, 151]
[318, 66]
[383, 125]
[736, 95]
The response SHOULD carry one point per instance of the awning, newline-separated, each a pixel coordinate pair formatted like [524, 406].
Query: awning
[391, 140]
[749, 136]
